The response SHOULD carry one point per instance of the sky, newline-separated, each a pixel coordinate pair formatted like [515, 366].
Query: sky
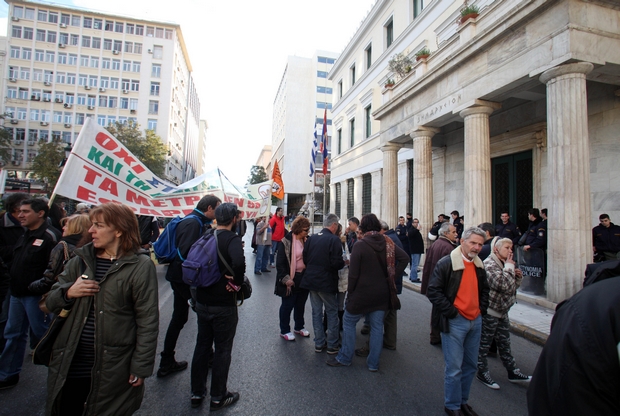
[238, 52]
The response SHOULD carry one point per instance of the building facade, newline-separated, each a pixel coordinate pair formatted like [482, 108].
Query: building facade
[517, 107]
[302, 98]
[65, 64]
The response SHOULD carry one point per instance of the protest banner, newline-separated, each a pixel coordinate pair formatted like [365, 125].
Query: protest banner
[100, 169]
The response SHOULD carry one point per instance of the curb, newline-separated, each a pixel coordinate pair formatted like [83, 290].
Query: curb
[521, 330]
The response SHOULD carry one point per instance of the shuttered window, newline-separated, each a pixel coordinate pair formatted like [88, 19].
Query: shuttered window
[366, 194]
[350, 199]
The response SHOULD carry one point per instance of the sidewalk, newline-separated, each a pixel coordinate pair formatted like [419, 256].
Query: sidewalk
[530, 317]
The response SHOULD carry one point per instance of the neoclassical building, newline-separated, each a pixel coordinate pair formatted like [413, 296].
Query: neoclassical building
[516, 108]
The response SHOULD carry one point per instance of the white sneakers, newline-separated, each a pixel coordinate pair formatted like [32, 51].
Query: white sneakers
[303, 332]
[288, 337]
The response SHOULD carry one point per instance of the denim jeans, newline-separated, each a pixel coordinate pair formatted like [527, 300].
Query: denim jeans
[216, 324]
[415, 262]
[262, 258]
[181, 294]
[296, 302]
[330, 301]
[274, 248]
[345, 355]
[460, 350]
[24, 313]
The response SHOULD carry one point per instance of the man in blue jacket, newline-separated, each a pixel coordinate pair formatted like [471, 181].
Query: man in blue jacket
[323, 259]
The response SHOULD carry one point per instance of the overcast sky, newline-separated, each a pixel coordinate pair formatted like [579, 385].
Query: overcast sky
[238, 52]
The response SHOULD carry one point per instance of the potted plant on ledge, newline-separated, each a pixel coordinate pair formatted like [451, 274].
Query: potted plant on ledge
[400, 64]
[423, 54]
[389, 83]
[469, 12]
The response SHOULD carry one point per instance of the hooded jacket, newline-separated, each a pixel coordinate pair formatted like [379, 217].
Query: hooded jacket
[440, 248]
[503, 285]
[323, 259]
[126, 329]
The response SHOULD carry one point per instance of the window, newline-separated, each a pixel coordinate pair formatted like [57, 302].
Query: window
[29, 14]
[101, 120]
[92, 80]
[352, 72]
[352, 131]
[28, 33]
[62, 58]
[150, 31]
[55, 135]
[32, 134]
[68, 118]
[84, 60]
[129, 28]
[44, 134]
[368, 118]
[158, 52]
[39, 55]
[126, 66]
[40, 35]
[82, 80]
[103, 101]
[10, 111]
[86, 41]
[339, 140]
[11, 92]
[340, 89]
[338, 207]
[324, 60]
[124, 103]
[109, 25]
[37, 75]
[366, 194]
[23, 93]
[79, 119]
[133, 104]
[91, 100]
[152, 124]
[159, 32]
[17, 32]
[81, 99]
[118, 45]
[107, 44]
[74, 40]
[49, 56]
[368, 56]
[70, 98]
[42, 15]
[94, 62]
[75, 20]
[65, 19]
[105, 82]
[118, 27]
[61, 77]
[105, 63]
[168, 34]
[15, 52]
[125, 84]
[63, 38]
[137, 47]
[57, 116]
[114, 83]
[350, 197]
[48, 76]
[153, 107]
[135, 85]
[53, 17]
[129, 47]
[116, 64]
[140, 30]
[71, 79]
[72, 59]
[418, 5]
[96, 44]
[321, 74]
[112, 102]
[323, 105]
[18, 11]
[27, 53]
[135, 66]
[97, 24]
[389, 33]
[111, 120]
[66, 137]
[24, 73]
[155, 88]
[51, 36]
[13, 72]
[88, 23]
[156, 71]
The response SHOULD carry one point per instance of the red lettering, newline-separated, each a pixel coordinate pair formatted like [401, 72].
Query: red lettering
[128, 159]
[250, 214]
[238, 201]
[90, 175]
[158, 203]
[106, 141]
[191, 200]
[136, 199]
[146, 211]
[109, 185]
[86, 195]
[175, 201]
[170, 212]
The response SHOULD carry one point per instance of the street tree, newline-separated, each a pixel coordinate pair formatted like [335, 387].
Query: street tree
[148, 148]
[5, 141]
[46, 165]
[257, 175]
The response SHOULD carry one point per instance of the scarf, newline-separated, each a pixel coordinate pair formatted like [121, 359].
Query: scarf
[390, 257]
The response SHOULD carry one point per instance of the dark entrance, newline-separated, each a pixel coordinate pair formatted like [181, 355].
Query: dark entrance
[513, 187]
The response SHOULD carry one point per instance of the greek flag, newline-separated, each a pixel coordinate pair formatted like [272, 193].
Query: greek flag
[315, 149]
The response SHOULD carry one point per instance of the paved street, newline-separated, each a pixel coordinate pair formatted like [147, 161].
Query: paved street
[275, 377]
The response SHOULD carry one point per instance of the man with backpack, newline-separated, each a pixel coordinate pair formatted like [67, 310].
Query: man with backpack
[149, 230]
[187, 232]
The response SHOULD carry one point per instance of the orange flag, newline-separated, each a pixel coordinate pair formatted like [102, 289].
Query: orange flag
[277, 187]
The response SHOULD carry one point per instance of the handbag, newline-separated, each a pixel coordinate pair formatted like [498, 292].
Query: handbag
[246, 286]
[42, 305]
[43, 351]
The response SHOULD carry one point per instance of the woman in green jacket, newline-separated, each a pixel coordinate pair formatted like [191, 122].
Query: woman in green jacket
[107, 346]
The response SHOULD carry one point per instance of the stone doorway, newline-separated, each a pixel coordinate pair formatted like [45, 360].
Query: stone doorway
[512, 182]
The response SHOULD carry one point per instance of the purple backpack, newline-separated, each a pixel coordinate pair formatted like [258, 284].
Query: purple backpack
[200, 268]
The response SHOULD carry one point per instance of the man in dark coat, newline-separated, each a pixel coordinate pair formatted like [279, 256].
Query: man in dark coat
[416, 248]
[508, 229]
[187, 233]
[460, 293]
[323, 258]
[578, 371]
[440, 248]
[488, 228]
[606, 239]
[536, 236]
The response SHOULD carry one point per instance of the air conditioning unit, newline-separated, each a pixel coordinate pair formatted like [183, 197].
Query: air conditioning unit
[67, 105]
[35, 98]
[132, 111]
[86, 87]
[31, 143]
[58, 100]
[125, 91]
[16, 162]
[67, 125]
[15, 19]
[13, 121]
[45, 123]
[63, 25]
[13, 79]
[47, 100]
[47, 83]
[90, 107]
[102, 89]
[61, 45]
[115, 52]
[18, 142]
[150, 51]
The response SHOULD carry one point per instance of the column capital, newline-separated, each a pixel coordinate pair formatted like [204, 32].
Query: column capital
[480, 107]
[423, 131]
[390, 147]
[576, 68]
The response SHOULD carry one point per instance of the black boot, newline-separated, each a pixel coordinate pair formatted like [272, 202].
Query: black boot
[340, 315]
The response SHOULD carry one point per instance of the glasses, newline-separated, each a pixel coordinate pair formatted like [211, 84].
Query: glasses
[305, 230]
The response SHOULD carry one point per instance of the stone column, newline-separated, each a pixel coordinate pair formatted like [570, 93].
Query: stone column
[423, 178]
[332, 198]
[344, 191]
[389, 207]
[358, 190]
[377, 195]
[569, 237]
[477, 151]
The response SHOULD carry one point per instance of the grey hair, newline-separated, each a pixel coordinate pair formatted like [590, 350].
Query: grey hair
[445, 228]
[330, 219]
[473, 230]
[384, 225]
[497, 242]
